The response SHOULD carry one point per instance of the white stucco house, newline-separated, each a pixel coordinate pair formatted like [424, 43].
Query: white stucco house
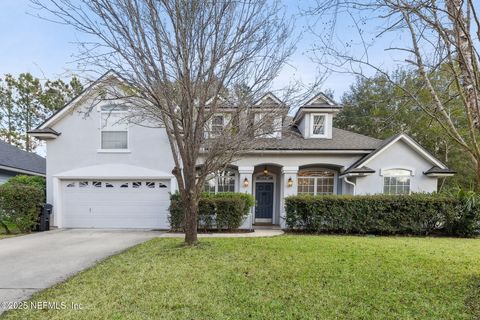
[105, 174]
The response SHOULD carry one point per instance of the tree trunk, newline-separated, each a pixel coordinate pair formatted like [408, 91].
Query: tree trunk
[191, 214]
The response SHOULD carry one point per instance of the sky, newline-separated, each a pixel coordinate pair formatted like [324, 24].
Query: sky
[46, 49]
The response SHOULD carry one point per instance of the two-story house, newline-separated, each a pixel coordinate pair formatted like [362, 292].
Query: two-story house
[105, 173]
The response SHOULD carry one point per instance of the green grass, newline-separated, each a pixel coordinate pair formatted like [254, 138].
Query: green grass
[288, 277]
[14, 231]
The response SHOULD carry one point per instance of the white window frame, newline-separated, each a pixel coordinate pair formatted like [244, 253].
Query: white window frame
[226, 120]
[215, 134]
[325, 124]
[102, 113]
[335, 178]
[215, 177]
[388, 173]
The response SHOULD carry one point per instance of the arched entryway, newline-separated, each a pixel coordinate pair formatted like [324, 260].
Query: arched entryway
[266, 190]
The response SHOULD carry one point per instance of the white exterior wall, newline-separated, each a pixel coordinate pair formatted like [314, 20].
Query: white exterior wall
[80, 139]
[397, 156]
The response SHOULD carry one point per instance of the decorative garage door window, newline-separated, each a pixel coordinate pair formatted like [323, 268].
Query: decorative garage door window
[114, 185]
[316, 182]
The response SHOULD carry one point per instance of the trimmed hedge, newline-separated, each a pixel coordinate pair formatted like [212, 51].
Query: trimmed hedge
[19, 205]
[223, 211]
[417, 214]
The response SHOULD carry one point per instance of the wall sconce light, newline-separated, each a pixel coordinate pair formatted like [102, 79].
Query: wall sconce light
[290, 182]
[245, 183]
[265, 170]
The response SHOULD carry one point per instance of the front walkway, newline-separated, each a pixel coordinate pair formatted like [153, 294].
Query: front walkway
[33, 262]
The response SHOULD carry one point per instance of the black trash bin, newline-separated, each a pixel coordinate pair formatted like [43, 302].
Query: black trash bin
[44, 219]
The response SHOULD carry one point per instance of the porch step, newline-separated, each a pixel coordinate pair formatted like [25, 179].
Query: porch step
[266, 226]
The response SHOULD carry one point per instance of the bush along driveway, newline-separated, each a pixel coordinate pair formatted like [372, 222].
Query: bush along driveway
[286, 277]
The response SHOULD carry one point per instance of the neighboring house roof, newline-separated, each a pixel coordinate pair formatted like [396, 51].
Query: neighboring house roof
[292, 139]
[385, 144]
[17, 160]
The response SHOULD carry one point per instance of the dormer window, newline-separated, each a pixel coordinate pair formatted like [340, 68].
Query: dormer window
[218, 123]
[318, 125]
[268, 126]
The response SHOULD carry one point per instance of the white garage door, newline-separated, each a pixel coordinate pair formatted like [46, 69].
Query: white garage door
[115, 204]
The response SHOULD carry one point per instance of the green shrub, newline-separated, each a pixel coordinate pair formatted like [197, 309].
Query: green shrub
[176, 217]
[35, 181]
[465, 221]
[206, 213]
[224, 211]
[417, 214]
[20, 205]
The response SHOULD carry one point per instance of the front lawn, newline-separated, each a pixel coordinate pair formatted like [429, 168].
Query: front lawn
[287, 277]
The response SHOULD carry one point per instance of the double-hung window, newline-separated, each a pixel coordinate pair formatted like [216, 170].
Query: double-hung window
[268, 125]
[114, 127]
[218, 123]
[396, 181]
[318, 125]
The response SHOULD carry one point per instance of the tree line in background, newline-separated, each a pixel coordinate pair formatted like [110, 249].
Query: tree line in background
[436, 96]
[26, 101]
[379, 107]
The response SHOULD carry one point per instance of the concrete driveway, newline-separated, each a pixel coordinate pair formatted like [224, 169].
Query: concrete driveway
[34, 262]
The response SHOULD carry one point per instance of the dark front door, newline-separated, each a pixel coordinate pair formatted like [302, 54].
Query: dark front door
[264, 200]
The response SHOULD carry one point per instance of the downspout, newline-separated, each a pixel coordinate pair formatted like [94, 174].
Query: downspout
[345, 178]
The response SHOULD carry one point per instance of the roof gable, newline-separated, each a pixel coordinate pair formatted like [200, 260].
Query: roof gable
[220, 100]
[62, 112]
[269, 99]
[320, 99]
[387, 143]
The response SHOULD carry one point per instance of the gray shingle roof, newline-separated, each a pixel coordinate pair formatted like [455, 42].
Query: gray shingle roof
[13, 157]
[292, 139]
[45, 130]
[438, 170]
[359, 170]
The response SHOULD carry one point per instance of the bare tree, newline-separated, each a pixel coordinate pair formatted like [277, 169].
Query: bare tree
[443, 38]
[183, 62]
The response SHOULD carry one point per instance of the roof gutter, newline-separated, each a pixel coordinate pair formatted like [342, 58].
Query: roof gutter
[439, 174]
[325, 151]
[7, 168]
[345, 178]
